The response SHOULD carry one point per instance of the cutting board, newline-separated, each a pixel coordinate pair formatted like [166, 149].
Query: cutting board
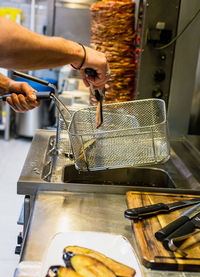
[153, 254]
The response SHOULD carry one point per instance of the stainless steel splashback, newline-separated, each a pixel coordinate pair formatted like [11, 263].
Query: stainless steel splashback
[70, 20]
[194, 126]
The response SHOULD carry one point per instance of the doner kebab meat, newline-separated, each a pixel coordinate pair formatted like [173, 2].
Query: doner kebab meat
[113, 33]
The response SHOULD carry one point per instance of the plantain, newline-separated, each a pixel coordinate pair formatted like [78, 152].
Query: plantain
[67, 272]
[87, 266]
[87, 146]
[60, 271]
[119, 269]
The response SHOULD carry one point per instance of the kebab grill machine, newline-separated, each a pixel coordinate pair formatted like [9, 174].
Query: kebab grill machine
[76, 178]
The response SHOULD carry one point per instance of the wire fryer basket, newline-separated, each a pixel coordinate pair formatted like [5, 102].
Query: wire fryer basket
[133, 133]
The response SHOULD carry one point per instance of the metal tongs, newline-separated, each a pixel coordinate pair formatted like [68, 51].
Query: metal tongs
[99, 95]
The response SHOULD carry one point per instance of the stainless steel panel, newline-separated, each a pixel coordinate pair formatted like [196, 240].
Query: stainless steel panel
[194, 126]
[70, 20]
[151, 60]
[184, 70]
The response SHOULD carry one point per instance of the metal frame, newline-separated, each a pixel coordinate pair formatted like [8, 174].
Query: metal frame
[150, 59]
[51, 18]
[184, 71]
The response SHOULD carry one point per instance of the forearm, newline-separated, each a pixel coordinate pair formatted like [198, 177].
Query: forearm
[25, 50]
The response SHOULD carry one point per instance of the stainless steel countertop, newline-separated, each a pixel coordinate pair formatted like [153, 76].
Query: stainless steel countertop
[56, 212]
[61, 207]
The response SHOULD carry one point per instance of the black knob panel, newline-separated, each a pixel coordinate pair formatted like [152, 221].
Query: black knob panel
[159, 75]
[157, 93]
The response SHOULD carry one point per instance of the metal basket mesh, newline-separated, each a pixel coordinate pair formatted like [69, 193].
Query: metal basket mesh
[133, 133]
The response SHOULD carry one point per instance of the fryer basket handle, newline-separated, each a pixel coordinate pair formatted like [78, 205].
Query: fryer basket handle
[31, 78]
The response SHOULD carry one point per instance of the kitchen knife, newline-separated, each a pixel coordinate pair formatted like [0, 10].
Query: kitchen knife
[174, 225]
[150, 210]
[39, 95]
[99, 95]
[175, 239]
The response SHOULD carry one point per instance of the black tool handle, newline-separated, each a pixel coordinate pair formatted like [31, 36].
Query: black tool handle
[140, 212]
[31, 78]
[182, 231]
[170, 228]
[91, 72]
[98, 96]
[39, 95]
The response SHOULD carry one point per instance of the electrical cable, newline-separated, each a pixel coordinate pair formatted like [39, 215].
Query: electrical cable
[176, 37]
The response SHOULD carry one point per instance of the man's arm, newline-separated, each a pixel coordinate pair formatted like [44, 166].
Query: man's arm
[25, 50]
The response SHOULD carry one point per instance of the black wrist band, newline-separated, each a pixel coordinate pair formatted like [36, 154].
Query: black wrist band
[78, 68]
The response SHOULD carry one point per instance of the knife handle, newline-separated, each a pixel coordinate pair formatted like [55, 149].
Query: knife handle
[182, 231]
[170, 228]
[140, 212]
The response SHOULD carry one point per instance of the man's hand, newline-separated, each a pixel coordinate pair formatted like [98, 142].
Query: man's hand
[20, 102]
[97, 61]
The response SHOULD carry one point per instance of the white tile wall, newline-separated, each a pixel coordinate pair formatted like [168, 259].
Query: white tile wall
[12, 157]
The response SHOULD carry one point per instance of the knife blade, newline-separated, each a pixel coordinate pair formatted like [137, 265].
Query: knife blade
[150, 210]
[174, 225]
[176, 238]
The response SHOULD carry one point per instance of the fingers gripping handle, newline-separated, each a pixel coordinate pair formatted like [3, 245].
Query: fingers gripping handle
[91, 72]
[99, 96]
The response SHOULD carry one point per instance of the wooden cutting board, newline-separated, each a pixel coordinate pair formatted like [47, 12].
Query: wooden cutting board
[153, 254]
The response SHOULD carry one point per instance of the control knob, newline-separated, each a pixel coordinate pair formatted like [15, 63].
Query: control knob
[159, 75]
[157, 93]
